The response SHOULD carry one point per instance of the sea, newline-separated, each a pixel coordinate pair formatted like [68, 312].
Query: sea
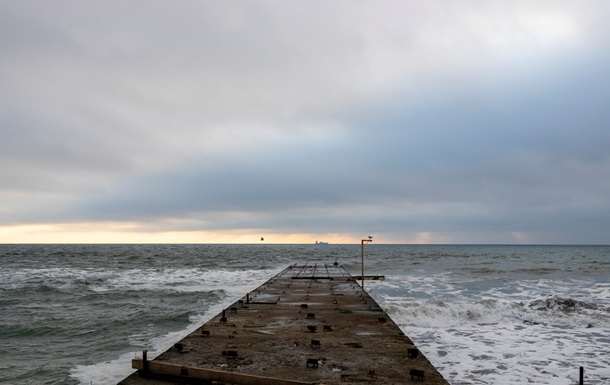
[482, 314]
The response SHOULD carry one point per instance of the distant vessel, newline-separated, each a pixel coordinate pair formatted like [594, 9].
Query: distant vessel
[321, 243]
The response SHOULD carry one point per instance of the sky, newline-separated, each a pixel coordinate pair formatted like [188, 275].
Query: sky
[226, 121]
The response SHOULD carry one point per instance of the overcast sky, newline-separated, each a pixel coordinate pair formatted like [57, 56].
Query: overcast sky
[224, 121]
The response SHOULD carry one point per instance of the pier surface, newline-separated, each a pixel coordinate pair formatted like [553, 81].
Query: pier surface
[310, 324]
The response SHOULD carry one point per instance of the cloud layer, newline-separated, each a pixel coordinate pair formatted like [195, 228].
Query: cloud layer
[481, 123]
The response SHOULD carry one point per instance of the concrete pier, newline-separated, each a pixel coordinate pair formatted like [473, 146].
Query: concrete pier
[310, 324]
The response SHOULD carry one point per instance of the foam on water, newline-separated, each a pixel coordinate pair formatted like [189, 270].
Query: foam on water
[482, 314]
[181, 280]
[503, 336]
[508, 353]
[234, 284]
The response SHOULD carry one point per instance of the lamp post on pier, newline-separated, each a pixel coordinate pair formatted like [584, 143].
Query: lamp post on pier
[362, 245]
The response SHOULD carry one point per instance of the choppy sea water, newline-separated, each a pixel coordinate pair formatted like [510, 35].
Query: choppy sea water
[78, 314]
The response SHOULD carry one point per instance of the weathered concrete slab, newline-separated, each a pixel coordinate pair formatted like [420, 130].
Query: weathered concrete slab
[310, 324]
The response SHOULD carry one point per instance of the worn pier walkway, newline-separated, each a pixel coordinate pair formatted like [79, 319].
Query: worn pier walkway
[310, 324]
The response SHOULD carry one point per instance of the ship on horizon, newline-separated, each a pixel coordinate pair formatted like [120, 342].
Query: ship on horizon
[321, 243]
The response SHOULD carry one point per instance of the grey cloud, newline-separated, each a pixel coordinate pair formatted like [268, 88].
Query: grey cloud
[303, 116]
[524, 162]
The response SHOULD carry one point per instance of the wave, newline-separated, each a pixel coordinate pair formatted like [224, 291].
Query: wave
[439, 314]
[114, 370]
[65, 280]
[567, 305]
[556, 311]
[476, 327]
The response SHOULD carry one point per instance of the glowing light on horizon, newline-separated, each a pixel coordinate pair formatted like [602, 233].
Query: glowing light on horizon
[134, 233]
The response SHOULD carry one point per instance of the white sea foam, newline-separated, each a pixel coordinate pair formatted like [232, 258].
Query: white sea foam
[180, 280]
[475, 328]
[528, 333]
[600, 291]
[59, 277]
[509, 354]
[494, 340]
[235, 284]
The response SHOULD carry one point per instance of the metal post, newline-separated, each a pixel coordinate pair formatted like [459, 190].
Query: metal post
[582, 374]
[145, 360]
[362, 246]
[362, 276]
